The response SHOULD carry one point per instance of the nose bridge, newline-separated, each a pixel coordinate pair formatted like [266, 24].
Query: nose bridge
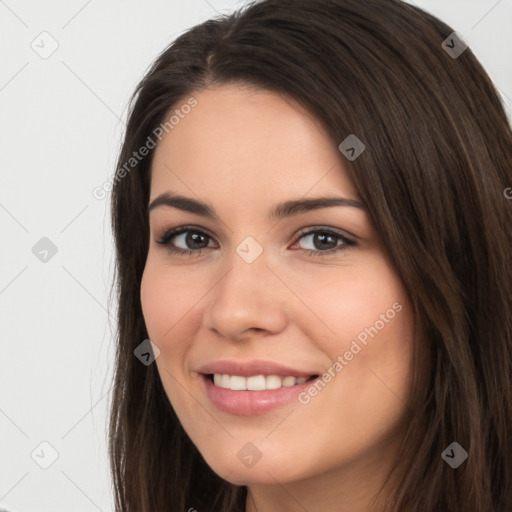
[244, 298]
[247, 273]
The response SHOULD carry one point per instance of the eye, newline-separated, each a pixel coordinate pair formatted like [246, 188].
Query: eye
[321, 241]
[192, 238]
[325, 241]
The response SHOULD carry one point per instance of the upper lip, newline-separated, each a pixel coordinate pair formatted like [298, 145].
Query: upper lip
[254, 367]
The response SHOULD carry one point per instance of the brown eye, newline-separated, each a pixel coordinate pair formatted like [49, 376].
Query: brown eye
[325, 241]
[191, 239]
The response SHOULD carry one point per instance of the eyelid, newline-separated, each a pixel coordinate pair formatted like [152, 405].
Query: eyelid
[172, 232]
[320, 227]
[303, 231]
[347, 241]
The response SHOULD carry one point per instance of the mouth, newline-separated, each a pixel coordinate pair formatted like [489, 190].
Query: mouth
[256, 382]
[255, 394]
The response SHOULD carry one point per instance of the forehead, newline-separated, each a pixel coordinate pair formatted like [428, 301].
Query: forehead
[241, 142]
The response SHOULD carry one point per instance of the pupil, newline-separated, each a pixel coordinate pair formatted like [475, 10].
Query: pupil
[322, 239]
[194, 238]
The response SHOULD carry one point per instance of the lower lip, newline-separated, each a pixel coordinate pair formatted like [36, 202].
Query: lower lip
[250, 403]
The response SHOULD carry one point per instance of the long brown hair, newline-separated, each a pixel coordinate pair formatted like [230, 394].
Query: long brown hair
[438, 159]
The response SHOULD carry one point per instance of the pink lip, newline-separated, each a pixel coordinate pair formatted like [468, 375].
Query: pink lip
[255, 367]
[248, 403]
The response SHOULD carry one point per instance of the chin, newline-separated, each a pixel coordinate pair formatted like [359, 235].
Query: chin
[266, 474]
[242, 463]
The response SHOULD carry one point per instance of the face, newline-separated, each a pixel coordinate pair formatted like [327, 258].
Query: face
[303, 307]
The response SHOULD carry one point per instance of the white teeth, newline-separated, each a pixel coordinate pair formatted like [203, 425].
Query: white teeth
[289, 381]
[255, 382]
[273, 382]
[224, 381]
[237, 383]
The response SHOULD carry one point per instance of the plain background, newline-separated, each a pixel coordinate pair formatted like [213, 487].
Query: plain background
[61, 123]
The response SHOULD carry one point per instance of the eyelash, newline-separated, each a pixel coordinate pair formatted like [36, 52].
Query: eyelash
[169, 235]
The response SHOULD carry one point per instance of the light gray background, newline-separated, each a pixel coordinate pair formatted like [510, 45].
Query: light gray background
[61, 123]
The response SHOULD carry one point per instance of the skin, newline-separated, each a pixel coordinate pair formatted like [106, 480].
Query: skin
[242, 150]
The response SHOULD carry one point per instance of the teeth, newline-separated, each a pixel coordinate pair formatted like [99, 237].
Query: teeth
[237, 383]
[289, 381]
[255, 382]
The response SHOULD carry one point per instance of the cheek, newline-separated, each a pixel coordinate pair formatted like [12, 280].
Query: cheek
[164, 303]
[351, 300]
[153, 297]
[171, 306]
[370, 314]
[165, 309]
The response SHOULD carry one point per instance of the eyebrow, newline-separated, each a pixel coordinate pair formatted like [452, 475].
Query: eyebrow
[279, 211]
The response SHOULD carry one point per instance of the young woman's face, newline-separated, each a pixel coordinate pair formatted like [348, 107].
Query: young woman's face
[257, 297]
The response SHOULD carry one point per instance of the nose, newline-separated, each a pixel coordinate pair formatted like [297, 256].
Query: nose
[248, 300]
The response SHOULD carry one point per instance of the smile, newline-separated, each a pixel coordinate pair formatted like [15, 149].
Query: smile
[255, 382]
[251, 387]
[281, 391]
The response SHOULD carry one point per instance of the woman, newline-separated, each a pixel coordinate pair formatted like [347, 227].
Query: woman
[312, 230]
